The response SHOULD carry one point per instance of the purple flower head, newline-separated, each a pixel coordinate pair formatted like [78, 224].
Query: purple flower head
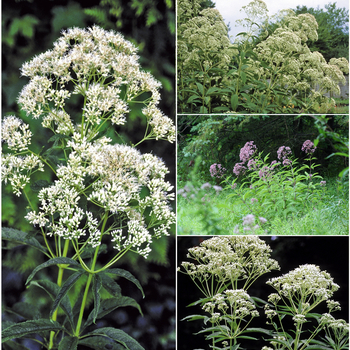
[283, 152]
[308, 147]
[323, 183]
[251, 164]
[217, 170]
[247, 151]
[234, 186]
[249, 220]
[238, 169]
[206, 185]
[287, 162]
[217, 188]
[264, 172]
[253, 200]
[262, 220]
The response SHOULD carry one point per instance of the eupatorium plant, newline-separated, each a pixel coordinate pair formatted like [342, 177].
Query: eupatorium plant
[224, 268]
[102, 191]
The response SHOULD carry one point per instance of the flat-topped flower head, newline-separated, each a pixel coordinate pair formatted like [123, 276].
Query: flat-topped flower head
[308, 147]
[230, 259]
[101, 66]
[306, 281]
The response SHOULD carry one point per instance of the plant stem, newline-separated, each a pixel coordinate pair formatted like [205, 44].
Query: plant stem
[59, 283]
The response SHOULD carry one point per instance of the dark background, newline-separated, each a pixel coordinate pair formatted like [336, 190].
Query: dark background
[329, 253]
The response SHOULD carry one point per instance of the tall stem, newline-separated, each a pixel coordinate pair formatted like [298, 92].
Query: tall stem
[59, 283]
[92, 269]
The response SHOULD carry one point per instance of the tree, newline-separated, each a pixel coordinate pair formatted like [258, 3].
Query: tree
[333, 30]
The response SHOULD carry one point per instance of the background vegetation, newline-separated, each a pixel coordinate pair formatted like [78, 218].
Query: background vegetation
[29, 28]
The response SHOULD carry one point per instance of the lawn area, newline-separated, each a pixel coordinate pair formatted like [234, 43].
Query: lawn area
[221, 214]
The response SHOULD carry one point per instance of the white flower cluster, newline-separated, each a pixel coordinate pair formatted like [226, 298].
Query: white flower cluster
[101, 66]
[307, 282]
[17, 168]
[124, 182]
[229, 259]
[235, 303]
[92, 173]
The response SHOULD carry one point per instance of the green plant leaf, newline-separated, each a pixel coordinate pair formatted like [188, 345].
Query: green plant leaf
[17, 236]
[109, 305]
[11, 345]
[97, 284]
[55, 261]
[68, 343]
[234, 102]
[25, 310]
[64, 289]
[23, 329]
[52, 289]
[119, 336]
[127, 275]
[101, 342]
[110, 285]
[200, 88]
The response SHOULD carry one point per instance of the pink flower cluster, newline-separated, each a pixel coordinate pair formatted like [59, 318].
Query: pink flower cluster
[245, 154]
[217, 170]
[308, 147]
[283, 152]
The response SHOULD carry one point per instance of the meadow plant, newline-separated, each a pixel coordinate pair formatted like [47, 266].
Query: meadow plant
[224, 268]
[281, 187]
[102, 192]
[217, 170]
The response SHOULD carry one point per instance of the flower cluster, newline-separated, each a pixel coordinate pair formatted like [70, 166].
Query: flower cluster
[307, 282]
[102, 67]
[247, 151]
[230, 259]
[308, 147]
[283, 153]
[217, 170]
[92, 173]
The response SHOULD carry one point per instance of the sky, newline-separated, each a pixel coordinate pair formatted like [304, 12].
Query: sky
[229, 9]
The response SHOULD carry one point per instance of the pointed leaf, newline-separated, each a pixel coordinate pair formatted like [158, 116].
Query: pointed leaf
[68, 343]
[109, 305]
[23, 329]
[97, 284]
[120, 337]
[200, 88]
[55, 261]
[11, 345]
[53, 289]
[17, 236]
[67, 285]
[110, 285]
[101, 342]
[128, 276]
[234, 102]
[25, 310]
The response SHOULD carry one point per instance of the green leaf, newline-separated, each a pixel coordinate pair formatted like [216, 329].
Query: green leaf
[97, 284]
[38, 185]
[55, 261]
[23, 329]
[109, 305]
[11, 345]
[101, 342]
[52, 289]
[127, 275]
[110, 285]
[234, 102]
[16, 236]
[64, 289]
[120, 337]
[25, 310]
[68, 343]
[200, 88]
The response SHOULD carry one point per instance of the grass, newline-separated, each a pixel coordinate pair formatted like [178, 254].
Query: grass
[329, 217]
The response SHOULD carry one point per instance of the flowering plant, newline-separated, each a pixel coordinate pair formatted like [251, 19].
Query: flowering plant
[224, 268]
[282, 186]
[103, 191]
